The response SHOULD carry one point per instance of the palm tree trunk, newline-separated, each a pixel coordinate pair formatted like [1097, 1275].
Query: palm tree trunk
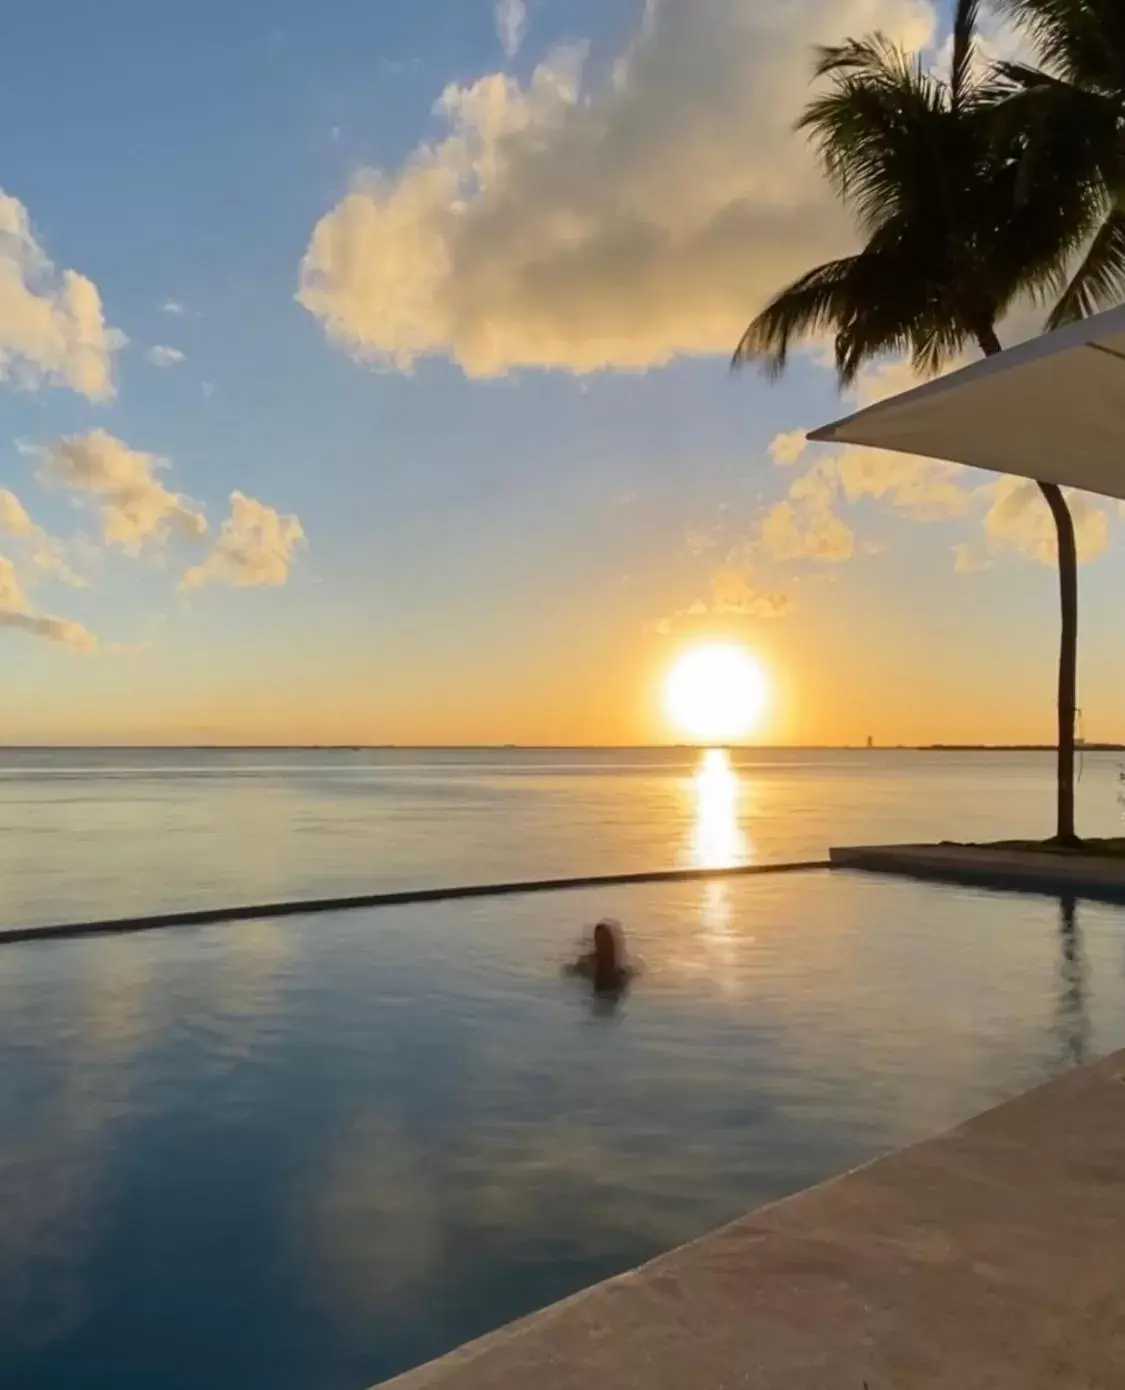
[1068, 659]
[1068, 638]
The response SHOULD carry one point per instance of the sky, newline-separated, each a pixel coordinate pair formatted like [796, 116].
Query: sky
[364, 379]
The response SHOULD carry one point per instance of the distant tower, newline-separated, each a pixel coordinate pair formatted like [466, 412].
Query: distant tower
[870, 741]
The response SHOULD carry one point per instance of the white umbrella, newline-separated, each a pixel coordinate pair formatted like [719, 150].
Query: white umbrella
[1052, 409]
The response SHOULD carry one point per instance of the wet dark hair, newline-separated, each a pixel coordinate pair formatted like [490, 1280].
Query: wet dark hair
[606, 946]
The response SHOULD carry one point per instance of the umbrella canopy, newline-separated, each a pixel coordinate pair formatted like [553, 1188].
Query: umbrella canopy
[1052, 409]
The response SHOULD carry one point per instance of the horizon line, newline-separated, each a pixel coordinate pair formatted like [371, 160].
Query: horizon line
[933, 747]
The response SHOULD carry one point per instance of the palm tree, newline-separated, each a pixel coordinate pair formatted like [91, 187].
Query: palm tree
[953, 234]
[1070, 117]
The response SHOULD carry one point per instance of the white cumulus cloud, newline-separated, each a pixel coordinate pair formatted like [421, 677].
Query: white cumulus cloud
[511, 25]
[161, 356]
[255, 547]
[580, 225]
[52, 328]
[134, 505]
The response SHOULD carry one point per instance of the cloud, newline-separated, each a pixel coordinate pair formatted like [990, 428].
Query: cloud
[16, 613]
[127, 648]
[998, 40]
[816, 489]
[161, 356]
[1015, 517]
[511, 25]
[174, 308]
[52, 328]
[255, 548]
[787, 534]
[970, 558]
[733, 594]
[786, 449]
[46, 553]
[60, 630]
[135, 507]
[698, 541]
[922, 489]
[14, 520]
[1018, 518]
[805, 526]
[576, 225]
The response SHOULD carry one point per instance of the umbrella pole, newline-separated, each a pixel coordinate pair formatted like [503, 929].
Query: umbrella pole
[1068, 659]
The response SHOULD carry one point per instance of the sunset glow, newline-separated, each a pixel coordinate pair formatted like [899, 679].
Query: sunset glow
[716, 693]
[412, 445]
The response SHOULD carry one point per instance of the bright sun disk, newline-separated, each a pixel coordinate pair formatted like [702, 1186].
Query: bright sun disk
[716, 693]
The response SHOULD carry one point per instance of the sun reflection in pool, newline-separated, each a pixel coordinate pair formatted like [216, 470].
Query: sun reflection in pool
[718, 838]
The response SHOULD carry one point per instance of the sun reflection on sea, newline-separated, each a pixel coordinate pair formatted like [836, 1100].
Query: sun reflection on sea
[718, 838]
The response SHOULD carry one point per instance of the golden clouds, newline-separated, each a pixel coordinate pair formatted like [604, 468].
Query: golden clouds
[255, 547]
[567, 224]
[52, 328]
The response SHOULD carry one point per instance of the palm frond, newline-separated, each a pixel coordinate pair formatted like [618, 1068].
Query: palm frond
[969, 192]
[867, 132]
[1081, 41]
[1060, 133]
[873, 56]
[1022, 78]
[887, 301]
[964, 52]
[810, 305]
[1099, 282]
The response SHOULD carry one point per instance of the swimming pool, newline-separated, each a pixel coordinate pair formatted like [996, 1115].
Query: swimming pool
[313, 1153]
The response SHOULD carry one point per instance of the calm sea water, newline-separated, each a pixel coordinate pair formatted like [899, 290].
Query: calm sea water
[309, 1154]
[90, 834]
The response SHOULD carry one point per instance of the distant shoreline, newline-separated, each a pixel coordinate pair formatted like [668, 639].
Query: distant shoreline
[543, 748]
[1011, 748]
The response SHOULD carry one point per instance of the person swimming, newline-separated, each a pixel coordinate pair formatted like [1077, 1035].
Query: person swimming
[605, 965]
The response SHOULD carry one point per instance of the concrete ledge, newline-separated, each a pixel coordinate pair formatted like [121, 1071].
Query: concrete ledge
[304, 907]
[1014, 870]
[992, 1256]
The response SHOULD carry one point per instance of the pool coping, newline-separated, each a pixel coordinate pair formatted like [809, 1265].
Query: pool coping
[989, 1256]
[409, 897]
[983, 866]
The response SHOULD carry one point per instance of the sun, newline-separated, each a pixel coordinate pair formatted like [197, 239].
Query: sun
[716, 693]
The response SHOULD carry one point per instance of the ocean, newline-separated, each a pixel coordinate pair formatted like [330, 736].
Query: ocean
[88, 834]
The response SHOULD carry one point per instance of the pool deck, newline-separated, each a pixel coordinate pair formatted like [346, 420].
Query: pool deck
[992, 1256]
[1016, 870]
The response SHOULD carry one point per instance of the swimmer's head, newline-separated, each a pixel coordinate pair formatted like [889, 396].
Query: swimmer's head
[606, 945]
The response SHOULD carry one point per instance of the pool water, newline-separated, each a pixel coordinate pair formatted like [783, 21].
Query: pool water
[314, 1153]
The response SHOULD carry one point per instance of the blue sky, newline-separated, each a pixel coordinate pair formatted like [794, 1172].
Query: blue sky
[501, 419]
